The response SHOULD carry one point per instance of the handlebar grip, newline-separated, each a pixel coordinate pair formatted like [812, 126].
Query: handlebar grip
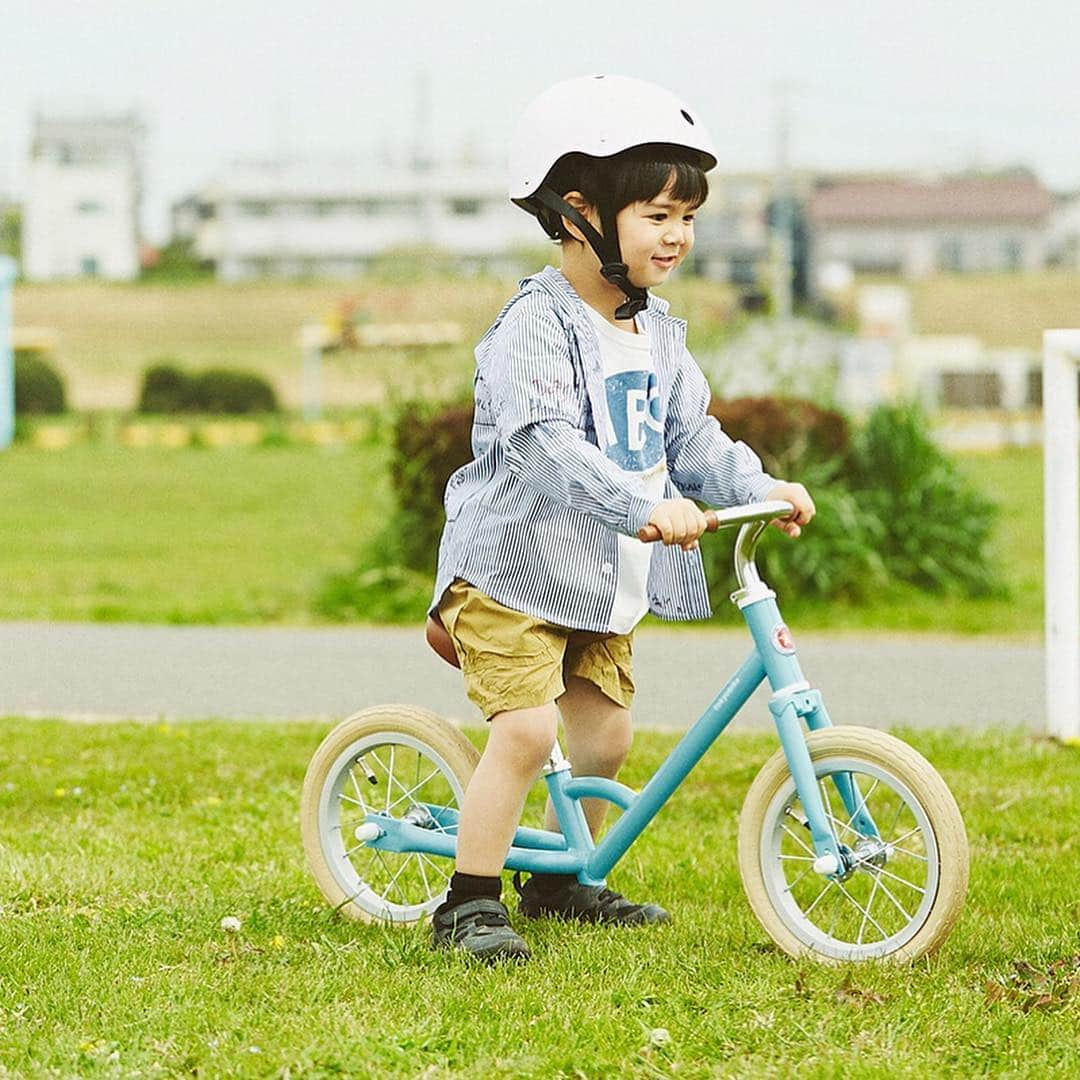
[734, 515]
[649, 534]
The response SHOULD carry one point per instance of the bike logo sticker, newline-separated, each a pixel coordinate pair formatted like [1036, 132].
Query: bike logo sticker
[782, 641]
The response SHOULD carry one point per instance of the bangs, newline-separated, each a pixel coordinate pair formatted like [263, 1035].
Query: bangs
[640, 175]
[636, 175]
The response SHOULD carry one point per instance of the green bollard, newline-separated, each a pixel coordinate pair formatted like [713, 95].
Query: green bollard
[7, 354]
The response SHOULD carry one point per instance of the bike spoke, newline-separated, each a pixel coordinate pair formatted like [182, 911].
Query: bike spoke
[888, 891]
[408, 794]
[799, 840]
[798, 879]
[423, 874]
[910, 854]
[359, 793]
[865, 912]
[863, 801]
[902, 881]
[435, 866]
[828, 885]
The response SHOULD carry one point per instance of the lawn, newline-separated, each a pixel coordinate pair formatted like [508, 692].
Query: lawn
[249, 535]
[183, 536]
[124, 846]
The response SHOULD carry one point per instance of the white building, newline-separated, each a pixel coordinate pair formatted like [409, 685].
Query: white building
[1065, 231]
[916, 228]
[81, 215]
[332, 219]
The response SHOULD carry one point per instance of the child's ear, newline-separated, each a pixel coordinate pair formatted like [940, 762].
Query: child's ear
[579, 203]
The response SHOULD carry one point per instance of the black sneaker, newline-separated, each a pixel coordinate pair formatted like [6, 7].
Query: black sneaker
[585, 903]
[479, 927]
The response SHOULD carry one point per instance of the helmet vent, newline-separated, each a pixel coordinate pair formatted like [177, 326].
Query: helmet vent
[686, 116]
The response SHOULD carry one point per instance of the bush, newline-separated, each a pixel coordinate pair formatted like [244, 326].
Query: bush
[222, 390]
[168, 389]
[39, 388]
[785, 432]
[892, 510]
[429, 444]
[936, 525]
[165, 389]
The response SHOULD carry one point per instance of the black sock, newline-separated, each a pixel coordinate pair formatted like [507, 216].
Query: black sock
[552, 883]
[473, 887]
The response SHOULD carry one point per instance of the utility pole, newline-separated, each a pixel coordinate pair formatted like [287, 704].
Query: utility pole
[782, 216]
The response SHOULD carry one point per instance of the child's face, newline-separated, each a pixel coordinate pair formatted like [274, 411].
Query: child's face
[654, 237]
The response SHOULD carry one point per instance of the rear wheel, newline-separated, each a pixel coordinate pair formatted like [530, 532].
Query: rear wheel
[395, 760]
[902, 889]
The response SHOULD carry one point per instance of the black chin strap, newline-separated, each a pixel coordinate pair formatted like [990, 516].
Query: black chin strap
[606, 246]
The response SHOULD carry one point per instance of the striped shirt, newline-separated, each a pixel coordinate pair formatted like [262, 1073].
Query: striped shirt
[533, 519]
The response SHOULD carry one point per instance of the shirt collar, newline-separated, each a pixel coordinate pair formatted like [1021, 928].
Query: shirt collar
[552, 282]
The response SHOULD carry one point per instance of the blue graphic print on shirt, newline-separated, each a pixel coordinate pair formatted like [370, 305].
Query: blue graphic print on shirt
[633, 399]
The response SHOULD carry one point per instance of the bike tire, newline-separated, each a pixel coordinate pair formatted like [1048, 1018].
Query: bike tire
[395, 744]
[929, 866]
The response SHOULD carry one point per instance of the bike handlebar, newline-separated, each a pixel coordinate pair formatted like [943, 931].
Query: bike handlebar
[752, 518]
[733, 515]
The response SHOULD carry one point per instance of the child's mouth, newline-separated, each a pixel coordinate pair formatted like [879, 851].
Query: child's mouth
[666, 261]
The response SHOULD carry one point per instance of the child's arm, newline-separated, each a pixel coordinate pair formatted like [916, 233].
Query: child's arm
[706, 464]
[703, 461]
[538, 413]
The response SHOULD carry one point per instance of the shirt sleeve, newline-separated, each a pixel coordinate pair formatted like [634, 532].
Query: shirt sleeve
[704, 463]
[538, 413]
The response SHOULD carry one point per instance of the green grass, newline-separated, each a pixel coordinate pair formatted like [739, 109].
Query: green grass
[125, 845]
[250, 535]
[182, 536]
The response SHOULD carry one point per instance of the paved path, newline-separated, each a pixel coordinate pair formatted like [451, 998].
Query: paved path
[70, 669]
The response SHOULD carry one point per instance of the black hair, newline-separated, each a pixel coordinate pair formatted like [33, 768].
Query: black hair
[635, 175]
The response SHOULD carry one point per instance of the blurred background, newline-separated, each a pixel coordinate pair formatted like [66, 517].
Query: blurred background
[255, 246]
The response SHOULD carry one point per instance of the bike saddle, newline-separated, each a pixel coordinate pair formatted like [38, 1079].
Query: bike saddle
[439, 640]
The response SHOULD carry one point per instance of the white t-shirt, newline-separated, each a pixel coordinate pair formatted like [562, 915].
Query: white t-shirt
[636, 445]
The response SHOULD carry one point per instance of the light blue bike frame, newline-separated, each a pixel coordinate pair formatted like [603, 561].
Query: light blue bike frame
[572, 851]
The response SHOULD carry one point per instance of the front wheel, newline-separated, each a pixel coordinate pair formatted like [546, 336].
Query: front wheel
[394, 760]
[900, 891]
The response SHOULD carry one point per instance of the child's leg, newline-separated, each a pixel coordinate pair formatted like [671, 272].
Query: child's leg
[598, 737]
[519, 744]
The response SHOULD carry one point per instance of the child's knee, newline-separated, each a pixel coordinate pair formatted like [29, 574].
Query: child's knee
[525, 735]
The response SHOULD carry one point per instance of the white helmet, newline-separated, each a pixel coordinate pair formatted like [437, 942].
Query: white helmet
[599, 115]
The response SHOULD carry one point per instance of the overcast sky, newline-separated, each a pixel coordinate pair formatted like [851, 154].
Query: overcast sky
[920, 84]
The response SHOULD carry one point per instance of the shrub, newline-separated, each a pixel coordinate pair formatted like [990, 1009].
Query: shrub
[429, 444]
[892, 509]
[168, 389]
[785, 432]
[936, 524]
[165, 389]
[222, 390]
[38, 386]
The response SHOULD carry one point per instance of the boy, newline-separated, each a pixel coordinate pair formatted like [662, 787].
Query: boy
[590, 425]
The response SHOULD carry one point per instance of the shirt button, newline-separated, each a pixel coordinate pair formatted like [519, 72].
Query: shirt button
[607, 568]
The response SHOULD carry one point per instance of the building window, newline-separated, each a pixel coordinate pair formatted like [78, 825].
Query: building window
[465, 207]
[950, 254]
[90, 206]
[88, 266]
[1012, 254]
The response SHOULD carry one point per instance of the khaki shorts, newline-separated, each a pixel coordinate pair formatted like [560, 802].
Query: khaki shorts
[515, 661]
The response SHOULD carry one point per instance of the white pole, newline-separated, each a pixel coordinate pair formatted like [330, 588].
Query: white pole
[7, 356]
[1061, 515]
